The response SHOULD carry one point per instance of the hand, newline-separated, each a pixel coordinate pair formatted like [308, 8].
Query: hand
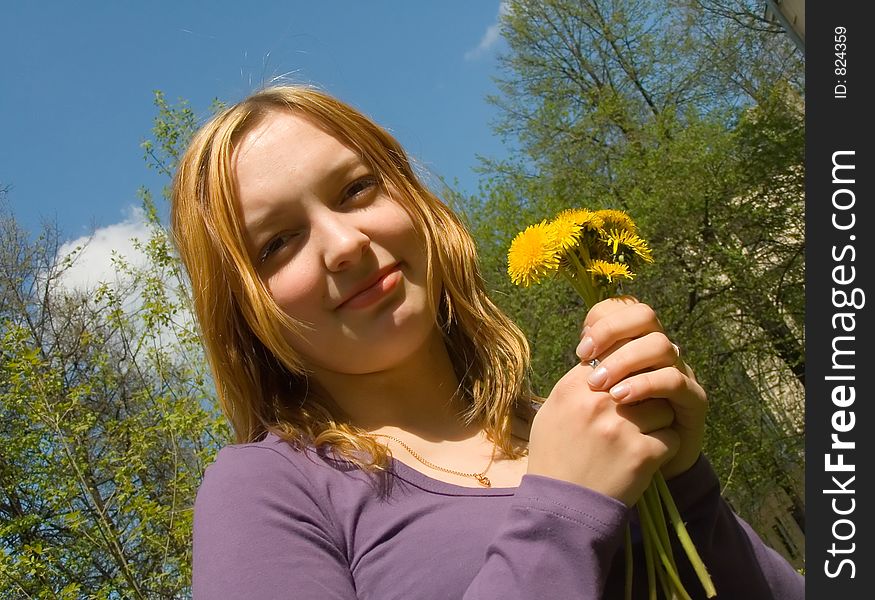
[638, 362]
[588, 438]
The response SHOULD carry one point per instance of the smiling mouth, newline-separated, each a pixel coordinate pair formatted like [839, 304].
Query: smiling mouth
[386, 281]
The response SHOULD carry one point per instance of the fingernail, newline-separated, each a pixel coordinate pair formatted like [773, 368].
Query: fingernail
[598, 377]
[583, 331]
[620, 391]
[584, 348]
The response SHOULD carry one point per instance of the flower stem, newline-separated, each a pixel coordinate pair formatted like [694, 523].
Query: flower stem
[648, 554]
[657, 516]
[661, 553]
[582, 282]
[684, 536]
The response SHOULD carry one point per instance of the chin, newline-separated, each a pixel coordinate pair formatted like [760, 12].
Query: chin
[387, 349]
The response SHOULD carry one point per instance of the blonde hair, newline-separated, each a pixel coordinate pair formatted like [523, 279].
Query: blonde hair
[261, 382]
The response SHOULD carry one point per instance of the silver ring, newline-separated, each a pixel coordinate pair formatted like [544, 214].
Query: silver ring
[594, 363]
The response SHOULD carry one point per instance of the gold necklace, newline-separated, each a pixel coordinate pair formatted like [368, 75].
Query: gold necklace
[481, 477]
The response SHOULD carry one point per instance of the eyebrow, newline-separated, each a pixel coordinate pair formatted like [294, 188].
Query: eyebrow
[257, 225]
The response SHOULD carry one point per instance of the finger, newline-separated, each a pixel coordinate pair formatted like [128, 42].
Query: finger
[685, 394]
[685, 368]
[653, 450]
[656, 447]
[606, 307]
[652, 351]
[665, 443]
[627, 321]
[648, 416]
[677, 353]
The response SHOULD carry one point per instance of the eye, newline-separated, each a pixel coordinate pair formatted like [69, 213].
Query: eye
[273, 246]
[360, 187]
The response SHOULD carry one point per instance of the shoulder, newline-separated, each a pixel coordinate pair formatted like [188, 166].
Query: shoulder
[259, 509]
[269, 474]
[268, 459]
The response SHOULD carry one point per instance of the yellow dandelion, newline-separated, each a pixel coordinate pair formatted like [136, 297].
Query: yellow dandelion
[587, 219]
[609, 272]
[616, 219]
[532, 255]
[565, 231]
[626, 245]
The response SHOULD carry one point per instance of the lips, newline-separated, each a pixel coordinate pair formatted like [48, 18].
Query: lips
[372, 288]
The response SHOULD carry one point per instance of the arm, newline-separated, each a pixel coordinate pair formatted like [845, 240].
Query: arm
[589, 459]
[557, 541]
[560, 540]
[260, 533]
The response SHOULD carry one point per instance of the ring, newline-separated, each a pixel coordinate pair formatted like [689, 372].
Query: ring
[594, 363]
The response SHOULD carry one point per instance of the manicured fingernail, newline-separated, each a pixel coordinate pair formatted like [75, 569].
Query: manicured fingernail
[598, 377]
[620, 391]
[584, 348]
[583, 331]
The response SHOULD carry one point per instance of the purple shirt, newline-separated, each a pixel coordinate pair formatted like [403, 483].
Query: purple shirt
[273, 522]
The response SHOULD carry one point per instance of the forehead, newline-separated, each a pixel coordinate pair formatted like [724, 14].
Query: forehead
[284, 141]
[284, 157]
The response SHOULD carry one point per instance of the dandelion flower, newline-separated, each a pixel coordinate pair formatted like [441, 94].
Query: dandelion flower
[616, 219]
[587, 219]
[626, 245]
[610, 272]
[532, 255]
[565, 231]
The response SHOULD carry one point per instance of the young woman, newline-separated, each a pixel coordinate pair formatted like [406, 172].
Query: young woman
[389, 445]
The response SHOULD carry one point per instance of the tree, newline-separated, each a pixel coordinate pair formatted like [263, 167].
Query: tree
[689, 118]
[107, 422]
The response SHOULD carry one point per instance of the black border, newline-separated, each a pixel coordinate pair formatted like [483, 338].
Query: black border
[838, 124]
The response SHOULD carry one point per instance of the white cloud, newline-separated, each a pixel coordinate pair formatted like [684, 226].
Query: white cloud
[93, 261]
[490, 38]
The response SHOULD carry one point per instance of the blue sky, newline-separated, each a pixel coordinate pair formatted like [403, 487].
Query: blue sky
[76, 95]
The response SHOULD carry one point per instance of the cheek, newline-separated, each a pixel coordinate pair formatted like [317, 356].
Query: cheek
[296, 291]
[395, 219]
[400, 230]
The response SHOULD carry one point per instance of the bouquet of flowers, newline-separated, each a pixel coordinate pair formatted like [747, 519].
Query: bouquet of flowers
[596, 251]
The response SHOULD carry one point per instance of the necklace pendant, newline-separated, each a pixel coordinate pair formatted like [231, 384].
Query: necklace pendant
[483, 480]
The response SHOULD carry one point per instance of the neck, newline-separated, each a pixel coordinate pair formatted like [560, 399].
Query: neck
[419, 395]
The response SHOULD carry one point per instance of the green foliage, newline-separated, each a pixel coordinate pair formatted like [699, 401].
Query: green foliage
[107, 417]
[173, 126]
[106, 425]
[691, 121]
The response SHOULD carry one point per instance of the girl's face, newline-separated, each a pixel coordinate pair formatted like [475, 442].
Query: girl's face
[334, 248]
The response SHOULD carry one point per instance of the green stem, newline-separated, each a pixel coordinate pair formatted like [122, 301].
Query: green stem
[648, 553]
[580, 288]
[647, 523]
[583, 282]
[684, 536]
[651, 496]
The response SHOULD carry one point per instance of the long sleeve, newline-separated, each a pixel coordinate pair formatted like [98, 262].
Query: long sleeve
[274, 523]
[557, 541]
[260, 533]
[564, 541]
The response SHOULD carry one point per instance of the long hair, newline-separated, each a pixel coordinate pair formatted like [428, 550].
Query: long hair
[260, 381]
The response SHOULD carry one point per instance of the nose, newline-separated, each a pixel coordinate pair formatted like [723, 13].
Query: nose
[344, 243]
